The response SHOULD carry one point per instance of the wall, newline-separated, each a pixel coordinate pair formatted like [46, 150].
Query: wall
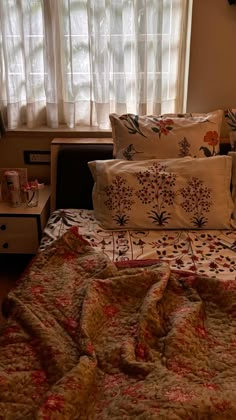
[212, 73]
[12, 146]
[212, 81]
[11, 153]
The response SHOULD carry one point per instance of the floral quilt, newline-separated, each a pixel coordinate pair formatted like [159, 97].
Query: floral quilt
[90, 339]
[205, 252]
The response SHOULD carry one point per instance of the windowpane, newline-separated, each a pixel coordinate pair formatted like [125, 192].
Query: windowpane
[107, 54]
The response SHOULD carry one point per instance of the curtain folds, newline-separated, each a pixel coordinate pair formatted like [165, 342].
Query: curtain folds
[73, 62]
[2, 126]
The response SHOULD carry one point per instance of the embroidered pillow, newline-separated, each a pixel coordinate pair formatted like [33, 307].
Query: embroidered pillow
[166, 136]
[184, 193]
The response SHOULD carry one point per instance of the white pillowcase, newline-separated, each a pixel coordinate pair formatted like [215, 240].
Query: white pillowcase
[139, 137]
[184, 193]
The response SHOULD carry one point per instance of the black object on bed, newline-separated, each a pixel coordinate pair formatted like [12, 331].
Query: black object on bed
[74, 179]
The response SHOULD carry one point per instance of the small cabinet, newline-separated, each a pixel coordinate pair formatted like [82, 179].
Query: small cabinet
[21, 227]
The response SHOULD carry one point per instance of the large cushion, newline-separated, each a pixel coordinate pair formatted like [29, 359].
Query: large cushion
[166, 136]
[183, 193]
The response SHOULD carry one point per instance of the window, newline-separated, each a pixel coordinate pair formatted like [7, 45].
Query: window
[73, 62]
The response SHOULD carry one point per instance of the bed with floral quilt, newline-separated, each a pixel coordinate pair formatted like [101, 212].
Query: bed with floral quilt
[128, 310]
[89, 338]
[205, 252]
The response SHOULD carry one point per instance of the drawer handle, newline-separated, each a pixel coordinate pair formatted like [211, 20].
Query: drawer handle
[5, 245]
[3, 227]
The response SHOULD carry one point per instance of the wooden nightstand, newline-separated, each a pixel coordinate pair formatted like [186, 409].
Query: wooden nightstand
[21, 227]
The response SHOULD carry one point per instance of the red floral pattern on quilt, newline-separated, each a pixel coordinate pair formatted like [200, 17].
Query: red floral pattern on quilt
[205, 252]
[86, 338]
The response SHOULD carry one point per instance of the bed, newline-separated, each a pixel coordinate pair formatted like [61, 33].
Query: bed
[206, 252]
[119, 323]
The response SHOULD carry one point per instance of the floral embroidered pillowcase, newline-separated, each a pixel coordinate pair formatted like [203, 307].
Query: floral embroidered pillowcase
[166, 136]
[184, 193]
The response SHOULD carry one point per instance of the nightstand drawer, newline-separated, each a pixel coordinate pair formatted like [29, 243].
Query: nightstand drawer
[21, 227]
[18, 235]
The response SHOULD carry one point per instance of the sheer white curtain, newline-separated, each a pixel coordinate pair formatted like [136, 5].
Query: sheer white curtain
[74, 61]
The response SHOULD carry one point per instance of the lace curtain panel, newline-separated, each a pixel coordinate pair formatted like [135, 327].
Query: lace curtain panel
[73, 62]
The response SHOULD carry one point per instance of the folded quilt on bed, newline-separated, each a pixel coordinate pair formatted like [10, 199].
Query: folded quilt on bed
[90, 339]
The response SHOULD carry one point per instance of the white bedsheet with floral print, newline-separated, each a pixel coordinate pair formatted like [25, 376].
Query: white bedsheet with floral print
[209, 252]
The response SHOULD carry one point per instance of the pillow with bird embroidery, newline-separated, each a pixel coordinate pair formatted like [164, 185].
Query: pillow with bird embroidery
[183, 193]
[166, 136]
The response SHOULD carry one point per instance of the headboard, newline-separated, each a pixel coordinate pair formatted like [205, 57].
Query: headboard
[71, 180]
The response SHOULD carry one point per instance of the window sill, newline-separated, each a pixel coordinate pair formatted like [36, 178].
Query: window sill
[82, 131]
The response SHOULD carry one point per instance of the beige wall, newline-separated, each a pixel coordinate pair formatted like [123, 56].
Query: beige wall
[212, 74]
[12, 148]
[11, 154]
[212, 80]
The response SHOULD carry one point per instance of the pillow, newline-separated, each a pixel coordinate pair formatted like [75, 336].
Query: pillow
[184, 193]
[166, 136]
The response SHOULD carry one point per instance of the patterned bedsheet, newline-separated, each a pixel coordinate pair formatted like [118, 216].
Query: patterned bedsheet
[206, 252]
[90, 339]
